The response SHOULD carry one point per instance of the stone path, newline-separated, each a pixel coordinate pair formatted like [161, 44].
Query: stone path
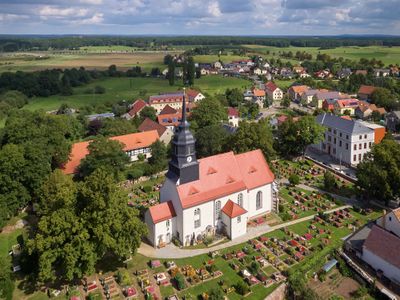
[171, 251]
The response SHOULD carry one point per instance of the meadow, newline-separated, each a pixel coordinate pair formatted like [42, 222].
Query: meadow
[129, 89]
[388, 55]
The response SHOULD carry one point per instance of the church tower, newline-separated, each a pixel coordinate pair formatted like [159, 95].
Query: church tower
[183, 166]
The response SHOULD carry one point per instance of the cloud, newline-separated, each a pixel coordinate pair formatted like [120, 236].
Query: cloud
[244, 17]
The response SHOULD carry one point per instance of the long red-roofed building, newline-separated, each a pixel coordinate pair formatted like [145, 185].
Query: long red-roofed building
[133, 144]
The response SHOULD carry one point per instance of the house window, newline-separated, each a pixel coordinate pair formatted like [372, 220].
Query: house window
[239, 219]
[390, 218]
[365, 136]
[334, 132]
[340, 134]
[329, 138]
[329, 129]
[359, 157]
[359, 146]
[355, 147]
[347, 146]
[365, 145]
[354, 157]
[360, 137]
[240, 200]
[197, 216]
[370, 144]
[340, 143]
[259, 200]
[347, 136]
[334, 141]
[167, 223]
[218, 210]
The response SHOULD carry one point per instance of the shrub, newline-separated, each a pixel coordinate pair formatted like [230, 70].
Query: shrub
[254, 267]
[135, 173]
[242, 288]
[329, 181]
[208, 240]
[147, 189]
[180, 281]
[98, 89]
[216, 294]
[294, 179]
[124, 278]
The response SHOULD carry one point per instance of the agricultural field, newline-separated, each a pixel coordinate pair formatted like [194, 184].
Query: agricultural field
[34, 61]
[129, 89]
[213, 58]
[388, 55]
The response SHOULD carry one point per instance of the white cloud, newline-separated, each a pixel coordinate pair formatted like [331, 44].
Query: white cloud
[214, 10]
[93, 2]
[97, 18]
[12, 17]
[52, 11]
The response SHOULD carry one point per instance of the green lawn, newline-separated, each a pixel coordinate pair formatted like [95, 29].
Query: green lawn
[388, 55]
[130, 89]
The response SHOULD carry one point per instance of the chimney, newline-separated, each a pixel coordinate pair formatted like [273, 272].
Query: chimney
[384, 219]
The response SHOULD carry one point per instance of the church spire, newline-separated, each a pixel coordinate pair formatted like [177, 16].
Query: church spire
[183, 166]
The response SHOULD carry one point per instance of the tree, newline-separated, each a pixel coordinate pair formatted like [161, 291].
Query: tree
[66, 89]
[118, 126]
[294, 179]
[6, 282]
[294, 137]
[286, 101]
[208, 112]
[234, 96]
[90, 221]
[210, 140]
[252, 136]
[379, 172]
[216, 294]
[189, 71]
[148, 112]
[158, 157]
[384, 98]
[329, 181]
[242, 288]
[171, 73]
[104, 153]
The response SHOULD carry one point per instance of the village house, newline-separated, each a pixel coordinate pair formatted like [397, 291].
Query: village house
[165, 133]
[233, 117]
[298, 69]
[273, 91]
[343, 73]
[364, 110]
[320, 96]
[381, 72]
[259, 96]
[134, 144]
[296, 91]
[304, 74]
[346, 140]
[108, 115]
[308, 95]
[345, 106]
[392, 120]
[216, 194]
[365, 92]
[361, 72]
[377, 245]
[135, 109]
[158, 102]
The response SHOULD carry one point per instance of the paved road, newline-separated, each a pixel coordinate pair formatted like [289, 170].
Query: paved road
[171, 251]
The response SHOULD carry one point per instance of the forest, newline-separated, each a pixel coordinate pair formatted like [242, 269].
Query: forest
[10, 43]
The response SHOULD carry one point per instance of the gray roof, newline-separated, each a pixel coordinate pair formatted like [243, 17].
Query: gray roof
[344, 125]
[327, 95]
[356, 241]
[310, 92]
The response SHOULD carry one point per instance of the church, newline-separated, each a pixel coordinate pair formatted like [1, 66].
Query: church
[216, 194]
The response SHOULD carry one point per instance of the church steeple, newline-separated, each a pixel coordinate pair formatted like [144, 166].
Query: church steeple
[183, 166]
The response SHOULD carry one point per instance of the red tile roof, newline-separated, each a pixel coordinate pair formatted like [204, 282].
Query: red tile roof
[168, 110]
[224, 174]
[384, 244]
[148, 125]
[192, 94]
[259, 93]
[233, 112]
[299, 89]
[271, 86]
[232, 210]
[366, 89]
[343, 103]
[130, 141]
[162, 212]
[137, 106]
[169, 119]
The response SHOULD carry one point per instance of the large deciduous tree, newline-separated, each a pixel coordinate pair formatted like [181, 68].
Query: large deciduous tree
[104, 153]
[252, 136]
[210, 140]
[293, 137]
[208, 112]
[379, 173]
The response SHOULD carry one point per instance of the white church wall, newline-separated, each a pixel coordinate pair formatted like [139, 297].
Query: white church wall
[266, 201]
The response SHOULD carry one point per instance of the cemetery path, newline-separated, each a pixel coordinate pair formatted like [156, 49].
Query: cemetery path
[173, 252]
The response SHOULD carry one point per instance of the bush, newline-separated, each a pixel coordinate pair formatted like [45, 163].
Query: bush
[124, 278]
[98, 89]
[242, 288]
[180, 281]
[216, 294]
[147, 189]
[135, 173]
[329, 181]
[254, 267]
[294, 179]
[208, 240]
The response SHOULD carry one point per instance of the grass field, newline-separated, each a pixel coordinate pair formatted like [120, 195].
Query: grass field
[213, 58]
[388, 55]
[129, 89]
[34, 61]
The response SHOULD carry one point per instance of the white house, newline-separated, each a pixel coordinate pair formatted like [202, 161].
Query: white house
[274, 93]
[345, 140]
[233, 117]
[174, 100]
[219, 193]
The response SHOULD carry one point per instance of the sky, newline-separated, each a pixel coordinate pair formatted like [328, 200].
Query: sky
[200, 17]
